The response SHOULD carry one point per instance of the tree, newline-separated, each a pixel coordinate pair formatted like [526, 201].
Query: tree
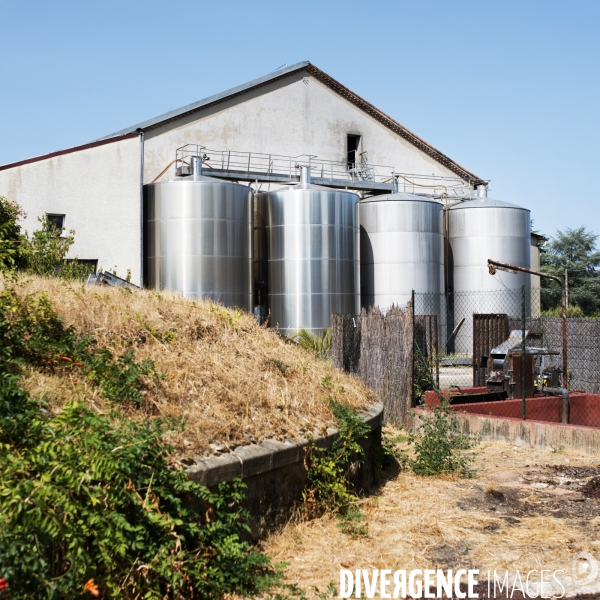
[11, 238]
[573, 250]
[41, 254]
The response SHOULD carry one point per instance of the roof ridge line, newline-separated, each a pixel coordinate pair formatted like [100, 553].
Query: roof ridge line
[392, 124]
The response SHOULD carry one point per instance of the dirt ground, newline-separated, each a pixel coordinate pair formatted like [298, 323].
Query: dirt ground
[525, 509]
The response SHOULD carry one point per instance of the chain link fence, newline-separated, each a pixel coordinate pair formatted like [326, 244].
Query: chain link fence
[491, 353]
[472, 349]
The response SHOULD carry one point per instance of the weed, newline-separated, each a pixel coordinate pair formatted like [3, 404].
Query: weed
[302, 366]
[439, 443]
[351, 523]
[32, 333]
[422, 379]
[327, 381]
[330, 472]
[229, 316]
[119, 379]
[162, 336]
[390, 454]
[318, 344]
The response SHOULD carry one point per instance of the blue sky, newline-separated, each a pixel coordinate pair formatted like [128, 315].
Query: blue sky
[508, 89]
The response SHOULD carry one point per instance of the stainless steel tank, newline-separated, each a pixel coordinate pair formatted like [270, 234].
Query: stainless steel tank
[198, 238]
[480, 229]
[401, 250]
[307, 255]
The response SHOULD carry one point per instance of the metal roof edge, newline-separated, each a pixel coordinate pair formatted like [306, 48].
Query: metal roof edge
[179, 112]
[41, 157]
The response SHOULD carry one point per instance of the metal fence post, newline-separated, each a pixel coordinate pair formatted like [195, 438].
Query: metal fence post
[523, 390]
[413, 400]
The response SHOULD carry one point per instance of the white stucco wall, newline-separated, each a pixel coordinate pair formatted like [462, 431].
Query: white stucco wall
[98, 189]
[297, 115]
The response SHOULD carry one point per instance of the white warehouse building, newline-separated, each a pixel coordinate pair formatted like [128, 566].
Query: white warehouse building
[97, 189]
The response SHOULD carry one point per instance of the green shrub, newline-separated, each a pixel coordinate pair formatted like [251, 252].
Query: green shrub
[45, 252]
[94, 496]
[439, 443]
[572, 311]
[329, 487]
[119, 379]
[11, 238]
[86, 496]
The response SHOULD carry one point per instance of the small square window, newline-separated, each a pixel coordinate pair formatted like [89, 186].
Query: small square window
[57, 220]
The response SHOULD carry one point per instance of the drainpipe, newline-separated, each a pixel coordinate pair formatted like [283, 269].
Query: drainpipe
[565, 401]
[141, 132]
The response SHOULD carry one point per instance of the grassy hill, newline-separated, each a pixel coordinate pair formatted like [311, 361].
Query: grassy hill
[231, 381]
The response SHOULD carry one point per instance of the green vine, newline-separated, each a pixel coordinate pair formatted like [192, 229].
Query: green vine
[330, 471]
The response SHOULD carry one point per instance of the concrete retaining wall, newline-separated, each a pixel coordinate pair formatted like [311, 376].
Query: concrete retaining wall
[275, 472]
[545, 436]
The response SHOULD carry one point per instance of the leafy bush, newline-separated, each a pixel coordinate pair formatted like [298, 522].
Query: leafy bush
[90, 499]
[45, 252]
[120, 379]
[11, 238]
[85, 496]
[329, 485]
[439, 444]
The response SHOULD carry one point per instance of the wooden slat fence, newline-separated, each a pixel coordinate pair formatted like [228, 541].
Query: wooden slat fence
[378, 348]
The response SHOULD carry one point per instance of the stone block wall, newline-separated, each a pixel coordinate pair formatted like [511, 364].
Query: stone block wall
[275, 472]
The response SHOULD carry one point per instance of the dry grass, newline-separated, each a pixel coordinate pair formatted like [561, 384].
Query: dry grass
[232, 381]
[417, 523]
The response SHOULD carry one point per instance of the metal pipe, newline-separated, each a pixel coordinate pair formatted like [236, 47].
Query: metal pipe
[304, 174]
[482, 191]
[142, 139]
[565, 402]
[523, 358]
[196, 162]
[492, 264]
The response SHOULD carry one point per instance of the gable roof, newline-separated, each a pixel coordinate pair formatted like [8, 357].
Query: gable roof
[325, 79]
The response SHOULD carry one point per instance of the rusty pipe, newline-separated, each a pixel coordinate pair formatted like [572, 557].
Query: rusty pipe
[492, 264]
[565, 402]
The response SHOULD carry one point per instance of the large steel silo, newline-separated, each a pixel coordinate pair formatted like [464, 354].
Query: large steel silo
[480, 229]
[198, 238]
[401, 250]
[307, 255]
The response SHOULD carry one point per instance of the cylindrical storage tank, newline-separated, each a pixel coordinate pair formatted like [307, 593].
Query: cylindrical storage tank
[198, 239]
[307, 256]
[401, 250]
[481, 229]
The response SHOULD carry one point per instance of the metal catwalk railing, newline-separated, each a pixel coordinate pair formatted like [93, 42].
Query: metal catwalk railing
[358, 174]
